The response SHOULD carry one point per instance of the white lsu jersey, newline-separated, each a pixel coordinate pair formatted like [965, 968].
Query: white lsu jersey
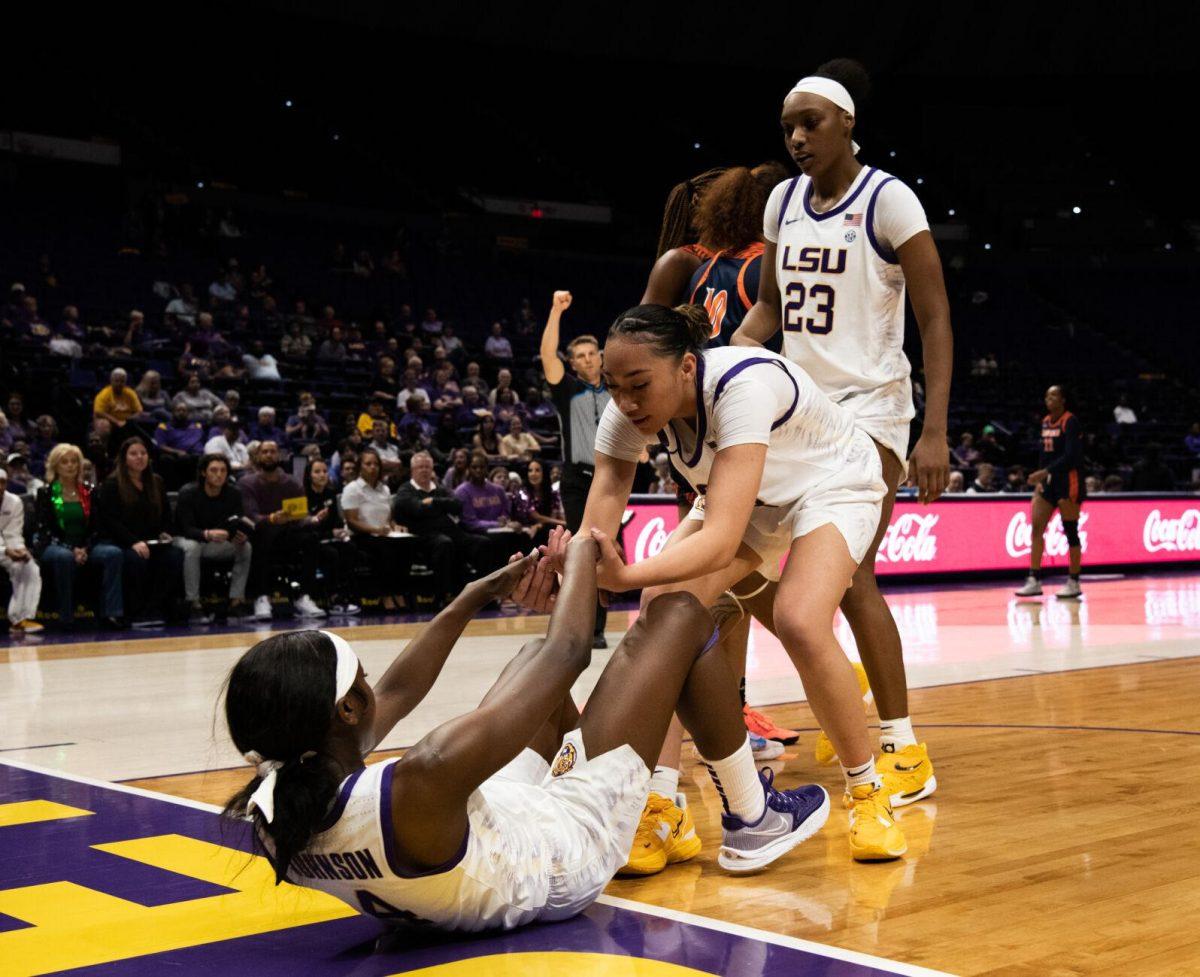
[842, 294]
[540, 845]
[750, 396]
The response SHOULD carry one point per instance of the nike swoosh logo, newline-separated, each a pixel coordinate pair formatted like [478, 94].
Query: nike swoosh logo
[792, 221]
[910, 769]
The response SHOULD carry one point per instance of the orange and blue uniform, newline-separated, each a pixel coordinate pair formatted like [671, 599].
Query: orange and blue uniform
[726, 284]
[1062, 457]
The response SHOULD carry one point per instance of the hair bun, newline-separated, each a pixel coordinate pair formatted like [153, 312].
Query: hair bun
[698, 326]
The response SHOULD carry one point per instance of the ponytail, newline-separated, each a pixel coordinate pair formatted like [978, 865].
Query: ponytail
[278, 703]
[678, 215]
[671, 332]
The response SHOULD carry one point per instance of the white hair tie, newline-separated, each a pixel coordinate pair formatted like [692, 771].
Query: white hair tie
[345, 675]
[832, 90]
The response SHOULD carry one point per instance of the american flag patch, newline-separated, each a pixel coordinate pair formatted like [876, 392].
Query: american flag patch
[852, 220]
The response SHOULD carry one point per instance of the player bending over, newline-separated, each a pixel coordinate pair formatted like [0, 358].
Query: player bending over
[473, 828]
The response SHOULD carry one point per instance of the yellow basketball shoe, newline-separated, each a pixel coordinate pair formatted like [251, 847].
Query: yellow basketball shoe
[823, 752]
[874, 834]
[907, 774]
[666, 834]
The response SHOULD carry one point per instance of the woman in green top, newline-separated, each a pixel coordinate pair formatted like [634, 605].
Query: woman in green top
[65, 538]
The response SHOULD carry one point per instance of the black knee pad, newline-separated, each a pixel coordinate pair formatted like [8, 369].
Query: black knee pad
[1071, 531]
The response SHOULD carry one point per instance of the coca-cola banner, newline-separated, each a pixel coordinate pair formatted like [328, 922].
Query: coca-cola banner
[992, 533]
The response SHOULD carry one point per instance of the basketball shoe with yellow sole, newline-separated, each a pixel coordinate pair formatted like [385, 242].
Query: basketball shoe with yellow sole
[874, 834]
[823, 752]
[666, 834]
[907, 774]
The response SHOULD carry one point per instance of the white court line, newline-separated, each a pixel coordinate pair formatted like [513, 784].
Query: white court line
[733, 929]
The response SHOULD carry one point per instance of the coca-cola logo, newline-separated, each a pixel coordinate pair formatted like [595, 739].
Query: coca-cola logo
[909, 539]
[651, 539]
[1174, 535]
[1018, 539]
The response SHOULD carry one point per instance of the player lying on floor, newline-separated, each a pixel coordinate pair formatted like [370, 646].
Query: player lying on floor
[520, 810]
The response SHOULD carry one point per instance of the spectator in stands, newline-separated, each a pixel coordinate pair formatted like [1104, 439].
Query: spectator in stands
[416, 419]
[69, 336]
[16, 560]
[222, 290]
[261, 365]
[367, 509]
[180, 442]
[503, 382]
[449, 396]
[518, 444]
[199, 400]
[412, 390]
[98, 444]
[966, 455]
[499, 476]
[431, 325]
[1015, 480]
[348, 470]
[1114, 483]
[385, 384]
[486, 439]
[498, 349]
[954, 484]
[6, 439]
[43, 441]
[32, 328]
[445, 435]
[116, 403]
[329, 321]
[19, 429]
[181, 310]
[468, 414]
[296, 345]
[985, 479]
[431, 512]
[265, 429]
[300, 316]
[207, 517]
[233, 400]
[280, 536]
[306, 426]
[1150, 474]
[474, 378]
[990, 450]
[538, 411]
[456, 471]
[1093, 484]
[65, 539]
[337, 556]
[226, 443]
[21, 481]
[1123, 413]
[506, 408]
[132, 513]
[485, 506]
[385, 449]
[156, 404]
[547, 506]
[451, 343]
[333, 350]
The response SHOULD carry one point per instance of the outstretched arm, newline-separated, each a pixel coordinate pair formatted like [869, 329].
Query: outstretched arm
[431, 784]
[410, 677]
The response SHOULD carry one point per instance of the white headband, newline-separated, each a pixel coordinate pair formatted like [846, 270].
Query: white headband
[835, 91]
[345, 675]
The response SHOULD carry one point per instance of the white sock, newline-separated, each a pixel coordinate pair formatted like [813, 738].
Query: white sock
[862, 774]
[737, 781]
[896, 734]
[665, 782]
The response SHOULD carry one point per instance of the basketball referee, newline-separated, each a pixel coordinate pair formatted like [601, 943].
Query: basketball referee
[579, 400]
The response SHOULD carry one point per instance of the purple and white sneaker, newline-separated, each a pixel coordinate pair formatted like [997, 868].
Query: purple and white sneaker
[791, 816]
